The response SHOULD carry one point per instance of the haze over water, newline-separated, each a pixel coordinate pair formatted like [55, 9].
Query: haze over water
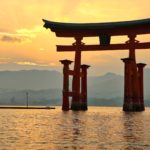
[95, 129]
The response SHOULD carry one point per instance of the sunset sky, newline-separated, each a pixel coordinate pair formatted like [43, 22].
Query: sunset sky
[25, 44]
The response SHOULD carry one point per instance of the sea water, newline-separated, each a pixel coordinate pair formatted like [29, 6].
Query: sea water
[96, 129]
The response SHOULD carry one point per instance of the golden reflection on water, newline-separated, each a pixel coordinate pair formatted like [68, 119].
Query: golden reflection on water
[97, 128]
[135, 131]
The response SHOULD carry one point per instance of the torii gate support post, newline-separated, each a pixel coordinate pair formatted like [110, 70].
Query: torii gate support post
[135, 79]
[76, 105]
[84, 87]
[140, 75]
[65, 103]
[128, 95]
[133, 90]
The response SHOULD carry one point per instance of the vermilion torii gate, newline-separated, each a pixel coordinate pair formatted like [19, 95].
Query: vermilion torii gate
[133, 82]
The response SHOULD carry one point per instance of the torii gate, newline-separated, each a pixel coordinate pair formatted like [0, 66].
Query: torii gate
[133, 79]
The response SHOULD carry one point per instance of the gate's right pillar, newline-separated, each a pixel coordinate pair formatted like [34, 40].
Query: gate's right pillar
[84, 87]
[133, 82]
[140, 67]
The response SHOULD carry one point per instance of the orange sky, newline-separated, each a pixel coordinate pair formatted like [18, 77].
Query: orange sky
[25, 44]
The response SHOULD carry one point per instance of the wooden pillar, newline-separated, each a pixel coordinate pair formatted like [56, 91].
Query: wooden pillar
[135, 81]
[128, 94]
[131, 42]
[65, 103]
[84, 87]
[76, 105]
[135, 88]
[141, 84]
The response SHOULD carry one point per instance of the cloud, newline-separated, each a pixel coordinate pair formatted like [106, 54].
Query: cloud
[37, 64]
[4, 60]
[28, 63]
[53, 64]
[21, 35]
[4, 30]
[7, 38]
[29, 32]
[42, 49]
[13, 37]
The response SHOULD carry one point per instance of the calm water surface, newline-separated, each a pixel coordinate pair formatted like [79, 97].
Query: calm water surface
[96, 129]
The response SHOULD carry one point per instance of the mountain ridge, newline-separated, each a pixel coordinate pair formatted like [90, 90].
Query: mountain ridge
[46, 87]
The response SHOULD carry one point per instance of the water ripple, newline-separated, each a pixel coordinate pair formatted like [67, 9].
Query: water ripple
[96, 129]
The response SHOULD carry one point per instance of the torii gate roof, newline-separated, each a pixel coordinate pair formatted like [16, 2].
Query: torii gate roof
[96, 29]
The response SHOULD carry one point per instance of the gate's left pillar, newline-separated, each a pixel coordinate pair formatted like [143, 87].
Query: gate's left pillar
[65, 102]
[84, 87]
[128, 91]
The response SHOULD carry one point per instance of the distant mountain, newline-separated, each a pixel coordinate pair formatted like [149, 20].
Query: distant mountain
[38, 97]
[30, 79]
[147, 83]
[45, 87]
[108, 86]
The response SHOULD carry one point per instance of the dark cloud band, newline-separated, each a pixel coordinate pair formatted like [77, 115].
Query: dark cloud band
[7, 38]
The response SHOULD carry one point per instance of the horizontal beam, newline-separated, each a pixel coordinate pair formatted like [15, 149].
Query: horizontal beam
[67, 48]
[71, 72]
[72, 94]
